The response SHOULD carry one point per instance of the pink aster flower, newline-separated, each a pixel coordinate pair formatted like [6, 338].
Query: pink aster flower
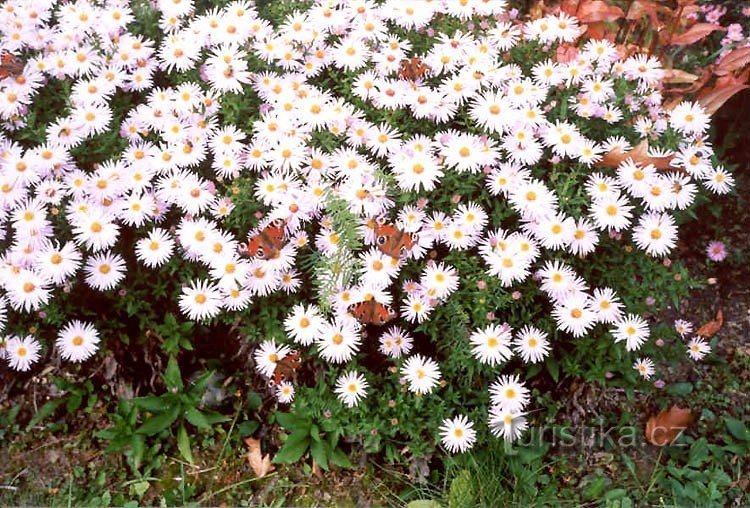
[716, 251]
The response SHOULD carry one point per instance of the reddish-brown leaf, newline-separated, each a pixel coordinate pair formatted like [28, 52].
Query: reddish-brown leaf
[600, 30]
[593, 11]
[695, 33]
[714, 98]
[638, 154]
[260, 464]
[566, 52]
[569, 7]
[640, 8]
[663, 428]
[712, 327]
[676, 76]
[732, 61]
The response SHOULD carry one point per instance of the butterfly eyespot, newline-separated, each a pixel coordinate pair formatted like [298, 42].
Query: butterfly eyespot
[293, 352]
[381, 240]
[380, 221]
[243, 247]
[271, 383]
[259, 252]
[278, 223]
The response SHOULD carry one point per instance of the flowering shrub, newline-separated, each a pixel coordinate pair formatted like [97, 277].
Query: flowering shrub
[429, 202]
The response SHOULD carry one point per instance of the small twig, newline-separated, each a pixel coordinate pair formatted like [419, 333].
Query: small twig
[229, 434]
[210, 495]
[653, 475]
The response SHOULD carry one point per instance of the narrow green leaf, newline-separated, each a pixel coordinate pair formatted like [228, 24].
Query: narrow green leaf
[153, 403]
[294, 447]
[172, 376]
[183, 443]
[319, 451]
[339, 458]
[197, 418]
[159, 422]
[45, 411]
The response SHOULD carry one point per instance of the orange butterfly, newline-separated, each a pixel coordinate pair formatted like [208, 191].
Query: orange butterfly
[10, 65]
[371, 312]
[268, 243]
[412, 69]
[392, 241]
[286, 368]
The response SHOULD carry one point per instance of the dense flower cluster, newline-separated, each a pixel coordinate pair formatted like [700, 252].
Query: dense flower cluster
[486, 115]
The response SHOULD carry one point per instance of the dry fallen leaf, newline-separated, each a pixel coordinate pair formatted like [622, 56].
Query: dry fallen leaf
[260, 464]
[711, 328]
[732, 61]
[695, 33]
[638, 154]
[676, 76]
[714, 98]
[593, 11]
[663, 428]
[640, 8]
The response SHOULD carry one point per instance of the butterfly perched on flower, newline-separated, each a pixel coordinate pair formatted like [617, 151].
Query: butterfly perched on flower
[286, 368]
[10, 65]
[412, 69]
[266, 244]
[372, 312]
[391, 240]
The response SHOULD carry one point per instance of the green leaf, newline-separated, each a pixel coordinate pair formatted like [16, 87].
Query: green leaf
[339, 458]
[197, 418]
[319, 451]
[293, 422]
[423, 503]
[680, 389]
[295, 446]
[139, 488]
[183, 443]
[615, 494]
[172, 376]
[553, 368]
[153, 403]
[200, 384]
[737, 428]
[698, 452]
[315, 432]
[74, 402]
[254, 401]
[247, 428]
[137, 449]
[44, 412]
[159, 422]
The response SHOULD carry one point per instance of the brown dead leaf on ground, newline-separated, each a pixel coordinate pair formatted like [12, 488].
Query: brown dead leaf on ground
[712, 327]
[260, 464]
[663, 428]
[638, 154]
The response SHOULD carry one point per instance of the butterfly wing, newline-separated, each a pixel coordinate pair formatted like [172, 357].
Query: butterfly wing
[412, 69]
[372, 313]
[392, 241]
[268, 243]
[11, 65]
